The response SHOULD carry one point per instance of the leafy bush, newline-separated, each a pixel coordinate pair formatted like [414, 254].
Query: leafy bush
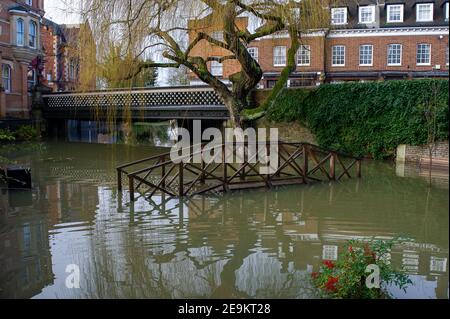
[27, 133]
[346, 278]
[367, 118]
[6, 136]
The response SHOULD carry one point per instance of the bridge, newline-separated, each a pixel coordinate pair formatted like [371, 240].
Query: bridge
[165, 103]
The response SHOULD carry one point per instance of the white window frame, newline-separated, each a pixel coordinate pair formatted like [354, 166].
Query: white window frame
[361, 8]
[254, 53]
[217, 35]
[334, 11]
[215, 65]
[283, 57]
[302, 49]
[429, 54]
[32, 36]
[6, 79]
[361, 53]
[446, 11]
[401, 54]
[389, 8]
[20, 32]
[333, 55]
[420, 5]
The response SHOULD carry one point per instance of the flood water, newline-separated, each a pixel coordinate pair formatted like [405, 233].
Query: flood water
[251, 244]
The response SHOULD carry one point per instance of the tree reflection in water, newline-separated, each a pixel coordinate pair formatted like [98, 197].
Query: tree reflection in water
[254, 244]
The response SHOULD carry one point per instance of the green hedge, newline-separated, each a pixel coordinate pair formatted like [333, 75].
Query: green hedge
[367, 119]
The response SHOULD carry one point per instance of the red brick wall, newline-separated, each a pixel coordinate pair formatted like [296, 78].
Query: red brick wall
[266, 53]
[15, 103]
[380, 44]
[321, 52]
[205, 49]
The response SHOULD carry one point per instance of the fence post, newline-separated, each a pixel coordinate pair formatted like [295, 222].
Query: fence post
[181, 179]
[358, 168]
[203, 176]
[119, 179]
[163, 172]
[305, 161]
[224, 169]
[333, 166]
[131, 187]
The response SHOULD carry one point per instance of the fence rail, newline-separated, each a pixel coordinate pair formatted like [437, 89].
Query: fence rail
[298, 163]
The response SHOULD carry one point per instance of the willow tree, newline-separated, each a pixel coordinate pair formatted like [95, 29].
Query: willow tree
[145, 26]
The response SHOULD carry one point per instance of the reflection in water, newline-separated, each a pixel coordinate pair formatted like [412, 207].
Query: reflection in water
[252, 244]
[98, 132]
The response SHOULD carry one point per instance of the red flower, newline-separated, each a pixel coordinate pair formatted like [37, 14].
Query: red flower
[350, 249]
[331, 284]
[314, 275]
[328, 263]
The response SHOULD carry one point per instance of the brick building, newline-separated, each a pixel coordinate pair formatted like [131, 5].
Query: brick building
[63, 61]
[20, 44]
[366, 40]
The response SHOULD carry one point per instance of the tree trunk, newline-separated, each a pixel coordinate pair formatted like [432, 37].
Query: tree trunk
[235, 107]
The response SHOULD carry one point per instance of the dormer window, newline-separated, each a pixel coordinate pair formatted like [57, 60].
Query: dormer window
[395, 13]
[338, 16]
[424, 12]
[20, 32]
[367, 14]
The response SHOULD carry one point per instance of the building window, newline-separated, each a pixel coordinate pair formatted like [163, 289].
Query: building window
[73, 69]
[304, 55]
[338, 16]
[217, 35]
[423, 54]
[32, 34]
[20, 32]
[338, 55]
[279, 56]
[329, 252]
[254, 53]
[395, 13]
[6, 78]
[424, 12]
[394, 54]
[216, 68]
[30, 2]
[446, 11]
[31, 79]
[367, 14]
[438, 264]
[366, 55]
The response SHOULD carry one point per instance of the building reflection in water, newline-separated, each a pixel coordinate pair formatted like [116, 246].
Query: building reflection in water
[251, 244]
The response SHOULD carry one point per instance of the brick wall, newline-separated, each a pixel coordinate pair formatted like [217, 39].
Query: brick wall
[409, 153]
[380, 45]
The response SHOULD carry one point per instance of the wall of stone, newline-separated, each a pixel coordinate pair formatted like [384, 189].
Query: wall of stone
[409, 153]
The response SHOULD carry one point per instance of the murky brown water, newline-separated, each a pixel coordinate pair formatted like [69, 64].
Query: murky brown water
[249, 244]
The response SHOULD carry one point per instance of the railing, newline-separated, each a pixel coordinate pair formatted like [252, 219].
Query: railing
[298, 163]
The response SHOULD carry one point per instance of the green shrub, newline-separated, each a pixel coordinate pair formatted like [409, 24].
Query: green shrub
[6, 136]
[367, 118]
[348, 276]
[27, 133]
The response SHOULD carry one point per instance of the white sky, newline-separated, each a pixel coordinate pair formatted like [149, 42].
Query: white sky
[61, 12]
